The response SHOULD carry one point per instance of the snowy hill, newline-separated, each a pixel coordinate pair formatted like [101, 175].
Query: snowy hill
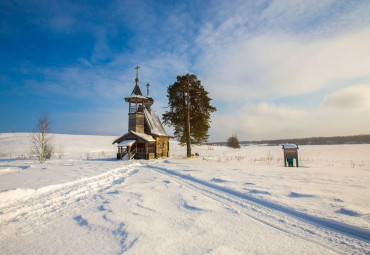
[225, 201]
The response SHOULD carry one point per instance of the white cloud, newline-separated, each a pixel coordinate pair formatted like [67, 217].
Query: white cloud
[281, 112]
[282, 50]
[275, 65]
[259, 121]
[351, 98]
[269, 121]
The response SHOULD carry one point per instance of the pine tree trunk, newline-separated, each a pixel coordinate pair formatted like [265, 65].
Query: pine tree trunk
[188, 146]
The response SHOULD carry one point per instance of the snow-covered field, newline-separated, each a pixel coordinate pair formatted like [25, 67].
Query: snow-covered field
[225, 201]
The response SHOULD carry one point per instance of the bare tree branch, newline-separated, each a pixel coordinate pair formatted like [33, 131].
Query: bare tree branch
[41, 140]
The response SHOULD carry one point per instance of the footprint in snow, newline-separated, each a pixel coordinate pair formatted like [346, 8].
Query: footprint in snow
[338, 200]
[113, 192]
[298, 195]
[81, 221]
[192, 208]
[218, 180]
[101, 208]
[118, 181]
[185, 205]
[256, 191]
[348, 212]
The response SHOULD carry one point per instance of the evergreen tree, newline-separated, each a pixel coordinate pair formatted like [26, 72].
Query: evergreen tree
[190, 111]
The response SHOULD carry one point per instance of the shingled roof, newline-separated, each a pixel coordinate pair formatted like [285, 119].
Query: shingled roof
[136, 91]
[155, 126]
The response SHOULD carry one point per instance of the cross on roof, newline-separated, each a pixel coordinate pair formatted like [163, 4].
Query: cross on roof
[137, 75]
[137, 71]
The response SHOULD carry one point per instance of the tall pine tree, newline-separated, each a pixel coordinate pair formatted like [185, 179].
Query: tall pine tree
[190, 111]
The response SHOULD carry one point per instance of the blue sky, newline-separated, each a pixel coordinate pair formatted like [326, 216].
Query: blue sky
[275, 69]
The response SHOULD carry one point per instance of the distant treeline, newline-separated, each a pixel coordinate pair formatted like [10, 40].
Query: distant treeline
[356, 139]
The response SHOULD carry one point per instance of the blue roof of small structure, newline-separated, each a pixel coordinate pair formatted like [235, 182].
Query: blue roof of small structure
[290, 146]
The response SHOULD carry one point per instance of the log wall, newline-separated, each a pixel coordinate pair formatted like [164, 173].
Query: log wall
[162, 149]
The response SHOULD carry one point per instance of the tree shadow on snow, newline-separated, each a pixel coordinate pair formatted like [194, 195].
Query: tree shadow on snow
[103, 159]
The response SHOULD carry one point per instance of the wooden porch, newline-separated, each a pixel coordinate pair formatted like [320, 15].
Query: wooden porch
[136, 150]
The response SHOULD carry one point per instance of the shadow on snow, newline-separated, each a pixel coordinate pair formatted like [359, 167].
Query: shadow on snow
[327, 223]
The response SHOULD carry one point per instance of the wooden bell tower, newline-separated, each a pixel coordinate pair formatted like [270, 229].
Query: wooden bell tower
[136, 107]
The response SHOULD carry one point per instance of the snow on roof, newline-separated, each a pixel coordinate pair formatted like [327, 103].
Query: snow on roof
[154, 123]
[143, 136]
[136, 97]
[129, 137]
[126, 143]
[290, 146]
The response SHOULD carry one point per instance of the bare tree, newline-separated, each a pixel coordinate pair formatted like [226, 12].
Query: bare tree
[60, 151]
[41, 140]
[233, 142]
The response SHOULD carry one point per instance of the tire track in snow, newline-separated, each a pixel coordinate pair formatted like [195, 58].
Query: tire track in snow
[308, 227]
[35, 203]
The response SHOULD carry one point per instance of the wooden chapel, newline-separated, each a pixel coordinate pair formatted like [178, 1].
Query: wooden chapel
[146, 137]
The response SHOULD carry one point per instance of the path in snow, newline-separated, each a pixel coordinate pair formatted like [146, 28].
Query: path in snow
[29, 203]
[57, 218]
[134, 210]
[328, 233]
[151, 208]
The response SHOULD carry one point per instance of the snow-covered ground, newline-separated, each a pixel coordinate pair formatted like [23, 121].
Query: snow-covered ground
[225, 201]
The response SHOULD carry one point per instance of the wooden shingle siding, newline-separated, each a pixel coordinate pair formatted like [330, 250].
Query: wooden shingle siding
[136, 122]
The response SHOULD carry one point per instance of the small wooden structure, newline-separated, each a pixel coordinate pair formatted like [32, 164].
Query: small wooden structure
[146, 137]
[290, 153]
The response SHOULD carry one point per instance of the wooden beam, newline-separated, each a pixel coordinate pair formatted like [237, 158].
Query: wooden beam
[146, 151]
